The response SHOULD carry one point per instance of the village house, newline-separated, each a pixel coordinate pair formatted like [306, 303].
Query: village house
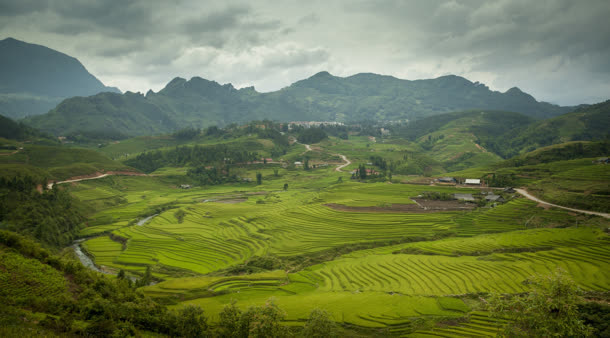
[464, 197]
[494, 198]
[473, 181]
[446, 180]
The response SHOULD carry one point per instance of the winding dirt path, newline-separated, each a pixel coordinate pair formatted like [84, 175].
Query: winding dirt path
[341, 166]
[535, 199]
[50, 185]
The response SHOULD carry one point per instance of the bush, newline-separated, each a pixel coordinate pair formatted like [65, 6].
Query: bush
[550, 309]
[319, 325]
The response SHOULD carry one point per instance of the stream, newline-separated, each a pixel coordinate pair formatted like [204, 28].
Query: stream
[87, 262]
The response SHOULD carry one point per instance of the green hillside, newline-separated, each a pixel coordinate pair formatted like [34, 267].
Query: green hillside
[460, 140]
[587, 123]
[565, 174]
[322, 97]
[61, 162]
[10, 129]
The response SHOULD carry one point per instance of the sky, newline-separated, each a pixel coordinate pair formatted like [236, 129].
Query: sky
[557, 51]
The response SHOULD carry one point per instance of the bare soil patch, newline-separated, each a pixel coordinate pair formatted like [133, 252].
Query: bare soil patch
[421, 206]
[232, 201]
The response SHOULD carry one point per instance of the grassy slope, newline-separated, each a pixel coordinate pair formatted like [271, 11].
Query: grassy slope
[587, 123]
[61, 162]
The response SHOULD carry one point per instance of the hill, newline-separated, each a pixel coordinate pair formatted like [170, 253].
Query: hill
[35, 78]
[586, 123]
[566, 174]
[322, 97]
[10, 129]
[503, 135]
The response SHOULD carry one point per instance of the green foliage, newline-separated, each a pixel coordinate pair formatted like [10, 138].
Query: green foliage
[596, 315]
[312, 135]
[549, 310]
[194, 156]
[256, 321]
[50, 215]
[190, 133]
[211, 176]
[191, 322]
[179, 214]
[259, 178]
[66, 291]
[319, 325]
[588, 123]
[18, 131]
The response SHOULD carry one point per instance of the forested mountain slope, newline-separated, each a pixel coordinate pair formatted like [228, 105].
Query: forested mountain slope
[322, 97]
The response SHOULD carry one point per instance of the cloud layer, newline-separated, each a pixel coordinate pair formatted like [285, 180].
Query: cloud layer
[559, 51]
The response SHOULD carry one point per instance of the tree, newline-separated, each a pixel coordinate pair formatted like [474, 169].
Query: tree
[229, 320]
[319, 325]
[191, 322]
[259, 178]
[306, 164]
[146, 279]
[262, 321]
[550, 309]
[285, 186]
[276, 172]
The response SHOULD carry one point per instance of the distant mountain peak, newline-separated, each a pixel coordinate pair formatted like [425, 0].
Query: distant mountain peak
[47, 75]
[514, 90]
[322, 74]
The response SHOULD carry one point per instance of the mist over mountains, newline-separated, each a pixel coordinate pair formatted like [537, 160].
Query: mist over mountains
[34, 79]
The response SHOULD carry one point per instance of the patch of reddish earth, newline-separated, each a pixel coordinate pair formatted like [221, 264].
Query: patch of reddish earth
[421, 206]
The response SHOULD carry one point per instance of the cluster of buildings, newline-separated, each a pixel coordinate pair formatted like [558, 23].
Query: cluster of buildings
[309, 124]
[468, 181]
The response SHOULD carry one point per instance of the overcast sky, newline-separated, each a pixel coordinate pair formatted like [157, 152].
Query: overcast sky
[558, 51]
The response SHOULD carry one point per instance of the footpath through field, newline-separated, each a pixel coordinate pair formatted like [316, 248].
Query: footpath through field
[535, 199]
[339, 167]
[50, 185]
[347, 162]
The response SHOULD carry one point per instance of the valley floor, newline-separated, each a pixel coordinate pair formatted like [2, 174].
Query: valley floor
[318, 245]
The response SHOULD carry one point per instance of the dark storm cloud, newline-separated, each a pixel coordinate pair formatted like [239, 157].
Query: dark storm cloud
[556, 50]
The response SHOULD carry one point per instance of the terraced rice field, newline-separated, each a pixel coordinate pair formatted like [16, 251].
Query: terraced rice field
[479, 324]
[440, 275]
[420, 265]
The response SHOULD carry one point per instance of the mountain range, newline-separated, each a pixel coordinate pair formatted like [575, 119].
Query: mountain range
[34, 79]
[323, 97]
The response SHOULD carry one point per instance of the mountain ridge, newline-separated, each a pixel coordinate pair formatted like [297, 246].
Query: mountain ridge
[200, 102]
[35, 78]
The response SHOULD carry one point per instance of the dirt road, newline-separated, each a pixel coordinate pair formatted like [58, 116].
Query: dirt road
[535, 199]
[347, 162]
[50, 185]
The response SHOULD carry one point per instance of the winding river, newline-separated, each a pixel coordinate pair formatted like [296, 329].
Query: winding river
[84, 258]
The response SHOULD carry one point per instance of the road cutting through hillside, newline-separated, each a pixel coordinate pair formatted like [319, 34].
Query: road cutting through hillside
[535, 199]
[50, 185]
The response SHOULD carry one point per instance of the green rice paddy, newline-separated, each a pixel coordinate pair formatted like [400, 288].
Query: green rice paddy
[370, 270]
